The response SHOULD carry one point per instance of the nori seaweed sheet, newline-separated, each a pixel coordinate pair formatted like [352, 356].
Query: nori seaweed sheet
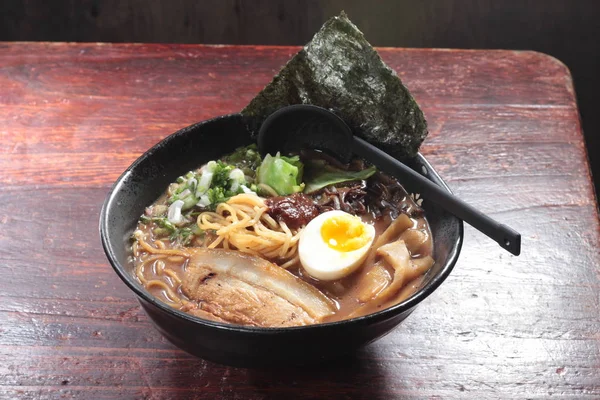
[339, 70]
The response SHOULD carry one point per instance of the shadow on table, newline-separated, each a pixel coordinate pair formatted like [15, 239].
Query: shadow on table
[345, 377]
[363, 374]
[359, 373]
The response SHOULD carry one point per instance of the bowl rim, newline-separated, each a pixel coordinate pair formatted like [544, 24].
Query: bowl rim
[378, 316]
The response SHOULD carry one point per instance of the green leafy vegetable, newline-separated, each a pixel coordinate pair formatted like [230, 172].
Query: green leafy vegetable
[186, 234]
[221, 174]
[184, 189]
[217, 182]
[330, 176]
[245, 158]
[165, 224]
[217, 195]
[183, 234]
[283, 174]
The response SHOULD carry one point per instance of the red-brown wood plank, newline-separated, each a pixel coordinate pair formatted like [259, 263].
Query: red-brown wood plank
[504, 133]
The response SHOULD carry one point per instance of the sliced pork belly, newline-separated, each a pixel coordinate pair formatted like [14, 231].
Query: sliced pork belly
[248, 290]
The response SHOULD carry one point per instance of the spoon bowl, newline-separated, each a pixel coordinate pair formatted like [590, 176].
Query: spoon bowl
[305, 127]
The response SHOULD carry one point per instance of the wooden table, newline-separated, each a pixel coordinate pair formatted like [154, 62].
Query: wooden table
[504, 133]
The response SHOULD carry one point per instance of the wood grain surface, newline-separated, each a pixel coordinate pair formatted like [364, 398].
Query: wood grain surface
[504, 133]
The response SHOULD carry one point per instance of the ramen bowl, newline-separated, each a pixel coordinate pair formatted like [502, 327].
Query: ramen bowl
[147, 178]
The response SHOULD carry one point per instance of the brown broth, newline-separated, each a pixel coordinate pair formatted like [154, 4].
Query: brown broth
[343, 291]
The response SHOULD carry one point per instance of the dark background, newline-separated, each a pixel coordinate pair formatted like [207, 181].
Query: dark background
[566, 29]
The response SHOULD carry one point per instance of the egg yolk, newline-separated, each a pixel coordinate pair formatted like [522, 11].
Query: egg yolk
[344, 233]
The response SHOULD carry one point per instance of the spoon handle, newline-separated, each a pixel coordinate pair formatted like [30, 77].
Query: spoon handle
[506, 237]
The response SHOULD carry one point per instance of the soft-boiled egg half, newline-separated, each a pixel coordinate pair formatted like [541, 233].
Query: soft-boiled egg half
[334, 244]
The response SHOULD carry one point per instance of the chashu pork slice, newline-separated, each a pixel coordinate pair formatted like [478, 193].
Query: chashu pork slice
[248, 290]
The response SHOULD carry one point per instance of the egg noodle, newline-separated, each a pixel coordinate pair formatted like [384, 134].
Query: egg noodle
[155, 260]
[243, 223]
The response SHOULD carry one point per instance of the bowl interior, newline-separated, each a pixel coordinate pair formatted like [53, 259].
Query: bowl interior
[148, 177]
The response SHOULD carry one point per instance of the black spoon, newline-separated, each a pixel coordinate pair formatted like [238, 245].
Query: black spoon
[305, 126]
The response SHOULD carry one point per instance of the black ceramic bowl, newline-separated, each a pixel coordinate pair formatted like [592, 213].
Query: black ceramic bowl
[148, 177]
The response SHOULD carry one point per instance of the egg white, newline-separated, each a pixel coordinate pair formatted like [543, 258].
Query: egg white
[323, 262]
